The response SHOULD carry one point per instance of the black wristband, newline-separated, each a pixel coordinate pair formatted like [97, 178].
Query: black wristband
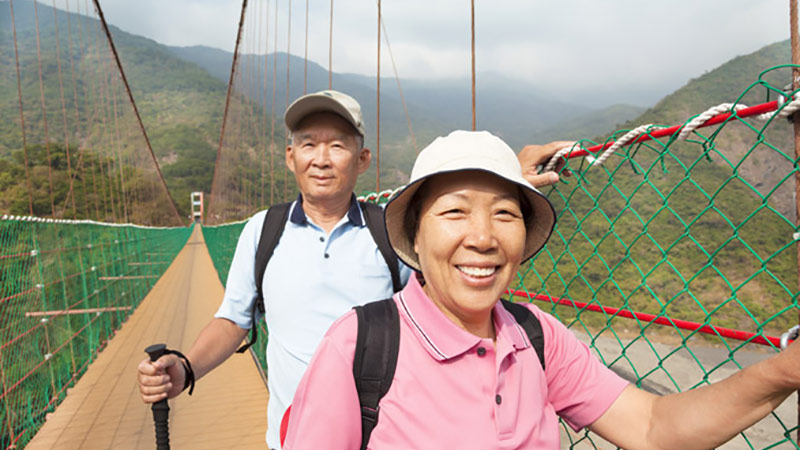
[187, 369]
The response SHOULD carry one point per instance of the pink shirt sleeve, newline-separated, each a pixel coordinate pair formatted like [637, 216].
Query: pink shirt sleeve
[325, 411]
[579, 386]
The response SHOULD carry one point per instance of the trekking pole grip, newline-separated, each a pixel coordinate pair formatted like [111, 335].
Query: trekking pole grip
[160, 408]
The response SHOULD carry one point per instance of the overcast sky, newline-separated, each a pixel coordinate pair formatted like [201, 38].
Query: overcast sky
[632, 49]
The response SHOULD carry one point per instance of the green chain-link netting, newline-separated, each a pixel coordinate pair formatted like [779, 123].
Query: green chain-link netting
[699, 230]
[221, 242]
[65, 288]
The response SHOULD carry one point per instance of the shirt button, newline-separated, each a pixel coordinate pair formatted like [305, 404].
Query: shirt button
[481, 351]
[321, 239]
[498, 399]
[327, 256]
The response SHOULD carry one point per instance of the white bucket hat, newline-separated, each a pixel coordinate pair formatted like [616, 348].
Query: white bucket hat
[325, 101]
[462, 151]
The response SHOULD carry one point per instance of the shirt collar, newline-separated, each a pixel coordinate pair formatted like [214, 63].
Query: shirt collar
[442, 338]
[354, 214]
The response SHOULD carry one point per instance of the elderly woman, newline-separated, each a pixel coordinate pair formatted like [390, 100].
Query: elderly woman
[467, 375]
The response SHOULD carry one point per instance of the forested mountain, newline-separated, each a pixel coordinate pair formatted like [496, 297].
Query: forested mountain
[763, 168]
[180, 103]
[180, 93]
[689, 228]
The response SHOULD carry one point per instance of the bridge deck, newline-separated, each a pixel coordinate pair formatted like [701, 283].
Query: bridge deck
[104, 410]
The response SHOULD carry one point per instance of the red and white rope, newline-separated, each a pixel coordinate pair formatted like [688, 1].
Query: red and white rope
[783, 110]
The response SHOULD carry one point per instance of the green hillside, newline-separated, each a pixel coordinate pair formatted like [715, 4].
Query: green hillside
[181, 104]
[698, 230]
[764, 169]
[723, 84]
[180, 93]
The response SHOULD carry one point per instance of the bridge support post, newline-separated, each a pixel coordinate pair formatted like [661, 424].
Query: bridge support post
[795, 40]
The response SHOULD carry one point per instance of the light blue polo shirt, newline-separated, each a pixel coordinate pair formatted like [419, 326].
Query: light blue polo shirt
[311, 280]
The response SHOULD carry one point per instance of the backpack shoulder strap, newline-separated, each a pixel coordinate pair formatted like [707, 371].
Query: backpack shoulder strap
[531, 325]
[271, 232]
[373, 214]
[377, 347]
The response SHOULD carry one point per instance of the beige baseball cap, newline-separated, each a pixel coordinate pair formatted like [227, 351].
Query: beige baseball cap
[468, 151]
[325, 101]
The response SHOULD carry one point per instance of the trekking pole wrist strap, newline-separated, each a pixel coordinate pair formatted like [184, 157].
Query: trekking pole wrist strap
[188, 379]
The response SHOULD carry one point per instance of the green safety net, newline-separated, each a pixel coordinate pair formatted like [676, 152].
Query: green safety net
[221, 242]
[66, 288]
[700, 230]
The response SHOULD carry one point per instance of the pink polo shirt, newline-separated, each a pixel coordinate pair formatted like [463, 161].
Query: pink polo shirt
[452, 389]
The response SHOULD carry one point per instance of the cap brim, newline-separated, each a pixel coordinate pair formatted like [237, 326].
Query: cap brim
[317, 103]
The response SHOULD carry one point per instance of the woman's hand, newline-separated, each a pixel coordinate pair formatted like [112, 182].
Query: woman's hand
[533, 156]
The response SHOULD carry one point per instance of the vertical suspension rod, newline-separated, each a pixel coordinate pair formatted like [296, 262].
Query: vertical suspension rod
[272, 115]
[71, 195]
[136, 112]
[305, 62]
[795, 40]
[21, 109]
[472, 9]
[378, 111]
[44, 113]
[214, 179]
[400, 89]
[286, 134]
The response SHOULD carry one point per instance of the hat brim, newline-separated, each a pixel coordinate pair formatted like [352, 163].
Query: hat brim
[538, 226]
[317, 103]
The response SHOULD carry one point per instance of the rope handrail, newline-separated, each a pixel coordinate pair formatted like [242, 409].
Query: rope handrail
[643, 133]
[11, 217]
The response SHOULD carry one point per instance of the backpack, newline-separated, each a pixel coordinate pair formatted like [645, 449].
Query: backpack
[274, 223]
[378, 345]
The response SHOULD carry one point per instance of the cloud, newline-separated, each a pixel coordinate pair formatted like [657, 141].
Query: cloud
[555, 46]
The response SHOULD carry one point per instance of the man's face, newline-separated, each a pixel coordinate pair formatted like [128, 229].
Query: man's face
[325, 157]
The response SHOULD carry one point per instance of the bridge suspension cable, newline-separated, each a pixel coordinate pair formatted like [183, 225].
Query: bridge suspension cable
[330, 51]
[472, 35]
[288, 69]
[305, 57]
[378, 109]
[21, 110]
[136, 110]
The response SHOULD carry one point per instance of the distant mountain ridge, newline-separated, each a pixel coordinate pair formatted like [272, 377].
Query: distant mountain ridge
[180, 92]
[766, 170]
[506, 107]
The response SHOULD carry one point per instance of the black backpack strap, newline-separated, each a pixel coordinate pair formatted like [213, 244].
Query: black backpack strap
[377, 348]
[271, 232]
[531, 325]
[373, 214]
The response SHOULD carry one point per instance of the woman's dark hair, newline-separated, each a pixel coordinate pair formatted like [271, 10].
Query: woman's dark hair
[525, 207]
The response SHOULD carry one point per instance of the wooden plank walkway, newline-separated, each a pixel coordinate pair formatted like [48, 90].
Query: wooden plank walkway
[104, 410]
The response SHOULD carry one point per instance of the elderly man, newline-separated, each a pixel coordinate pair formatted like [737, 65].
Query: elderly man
[325, 246]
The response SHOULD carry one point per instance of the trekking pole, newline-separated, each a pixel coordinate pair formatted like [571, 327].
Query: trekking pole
[160, 408]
